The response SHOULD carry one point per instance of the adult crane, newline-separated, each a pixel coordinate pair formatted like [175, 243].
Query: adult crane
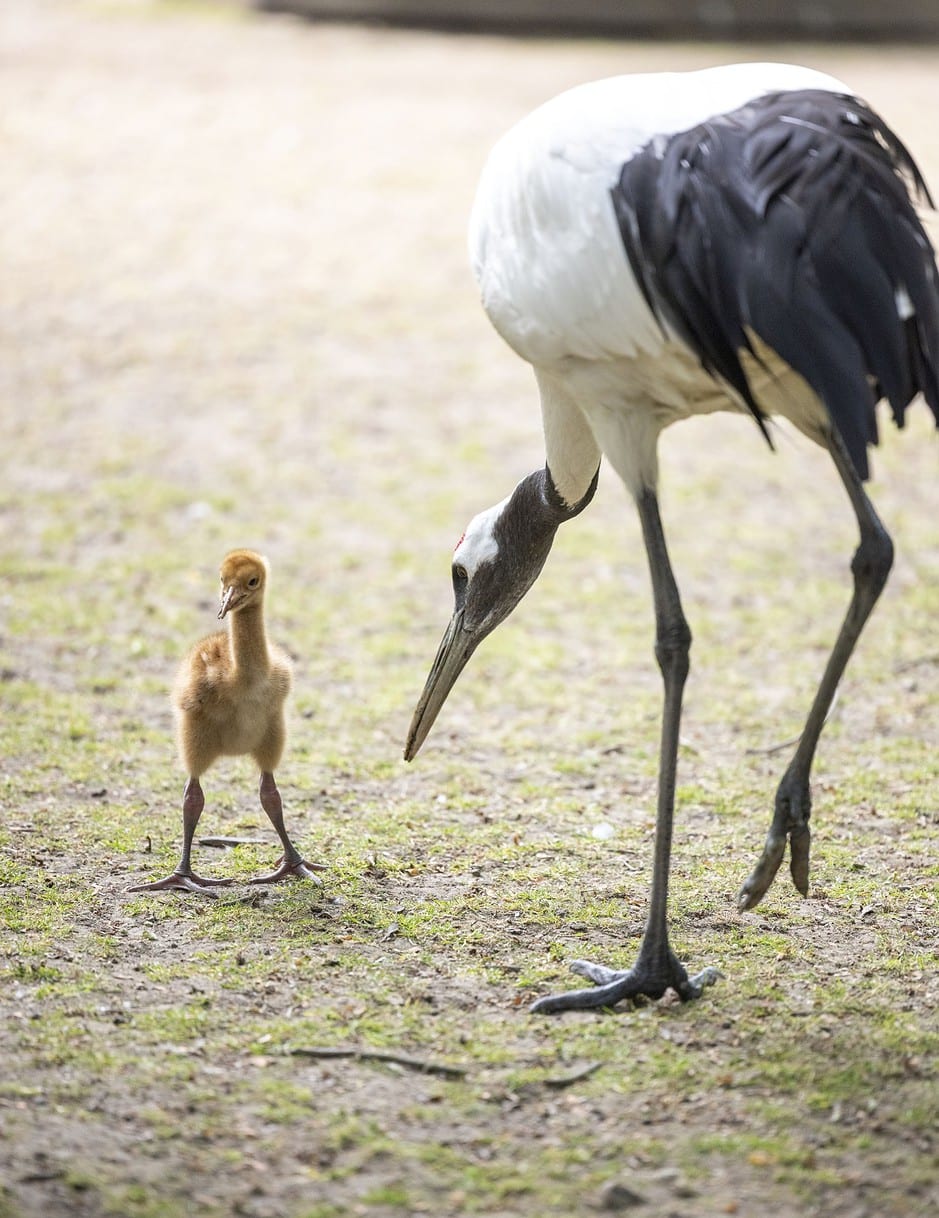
[660, 246]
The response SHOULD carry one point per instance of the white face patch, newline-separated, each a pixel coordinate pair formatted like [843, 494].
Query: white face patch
[478, 544]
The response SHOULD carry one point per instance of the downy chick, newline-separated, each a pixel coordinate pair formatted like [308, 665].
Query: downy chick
[229, 699]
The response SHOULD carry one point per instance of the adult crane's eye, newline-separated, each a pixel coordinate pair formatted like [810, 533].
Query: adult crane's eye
[460, 579]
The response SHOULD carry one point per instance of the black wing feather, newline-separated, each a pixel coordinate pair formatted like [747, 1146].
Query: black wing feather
[793, 217]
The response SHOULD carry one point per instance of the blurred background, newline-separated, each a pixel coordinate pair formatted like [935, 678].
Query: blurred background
[648, 18]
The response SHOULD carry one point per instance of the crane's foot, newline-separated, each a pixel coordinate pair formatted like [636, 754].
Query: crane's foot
[183, 881]
[790, 823]
[612, 985]
[299, 870]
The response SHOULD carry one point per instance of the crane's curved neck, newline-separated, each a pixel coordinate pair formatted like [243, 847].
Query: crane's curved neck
[556, 501]
[572, 453]
[536, 509]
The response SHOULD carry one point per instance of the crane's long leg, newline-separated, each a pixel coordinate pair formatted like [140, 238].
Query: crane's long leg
[293, 862]
[184, 879]
[870, 567]
[656, 967]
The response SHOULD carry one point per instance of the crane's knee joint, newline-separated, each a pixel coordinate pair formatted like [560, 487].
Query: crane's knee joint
[673, 648]
[872, 560]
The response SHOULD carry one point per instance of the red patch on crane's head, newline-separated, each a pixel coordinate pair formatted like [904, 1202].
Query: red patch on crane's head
[459, 543]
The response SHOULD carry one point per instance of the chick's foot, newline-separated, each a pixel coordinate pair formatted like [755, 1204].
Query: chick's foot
[183, 881]
[300, 869]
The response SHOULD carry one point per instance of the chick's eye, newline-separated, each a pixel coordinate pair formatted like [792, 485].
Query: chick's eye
[253, 581]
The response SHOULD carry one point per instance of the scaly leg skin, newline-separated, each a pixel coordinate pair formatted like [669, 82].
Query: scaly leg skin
[184, 879]
[292, 863]
[869, 568]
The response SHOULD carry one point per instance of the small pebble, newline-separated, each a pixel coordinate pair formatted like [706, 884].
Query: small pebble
[618, 1196]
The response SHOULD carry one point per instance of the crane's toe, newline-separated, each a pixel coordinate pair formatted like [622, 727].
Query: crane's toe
[755, 886]
[299, 869]
[613, 985]
[800, 845]
[183, 881]
[599, 974]
[790, 823]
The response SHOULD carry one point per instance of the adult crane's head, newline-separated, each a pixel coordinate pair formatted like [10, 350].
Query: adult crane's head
[497, 560]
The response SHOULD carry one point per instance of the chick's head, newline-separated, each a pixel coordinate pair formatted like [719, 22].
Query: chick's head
[243, 576]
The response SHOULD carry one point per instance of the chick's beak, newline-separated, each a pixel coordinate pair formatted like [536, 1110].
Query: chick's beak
[456, 647]
[229, 600]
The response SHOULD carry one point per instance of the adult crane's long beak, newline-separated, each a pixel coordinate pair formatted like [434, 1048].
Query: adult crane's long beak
[456, 647]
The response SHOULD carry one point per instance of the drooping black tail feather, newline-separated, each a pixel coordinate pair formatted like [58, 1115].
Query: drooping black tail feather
[793, 218]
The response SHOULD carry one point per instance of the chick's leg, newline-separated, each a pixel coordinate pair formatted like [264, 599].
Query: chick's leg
[292, 863]
[184, 878]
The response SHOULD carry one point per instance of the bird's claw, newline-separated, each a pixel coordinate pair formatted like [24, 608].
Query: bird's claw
[790, 822]
[800, 844]
[183, 881]
[757, 883]
[709, 975]
[599, 974]
[612, 985]
[299, 870]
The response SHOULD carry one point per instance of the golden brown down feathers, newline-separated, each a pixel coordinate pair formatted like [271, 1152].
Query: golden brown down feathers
[231, 688]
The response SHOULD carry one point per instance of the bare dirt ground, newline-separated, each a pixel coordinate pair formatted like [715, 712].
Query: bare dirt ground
[235, 310]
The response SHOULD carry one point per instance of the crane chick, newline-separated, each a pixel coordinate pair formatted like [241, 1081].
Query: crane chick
[229, 699]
